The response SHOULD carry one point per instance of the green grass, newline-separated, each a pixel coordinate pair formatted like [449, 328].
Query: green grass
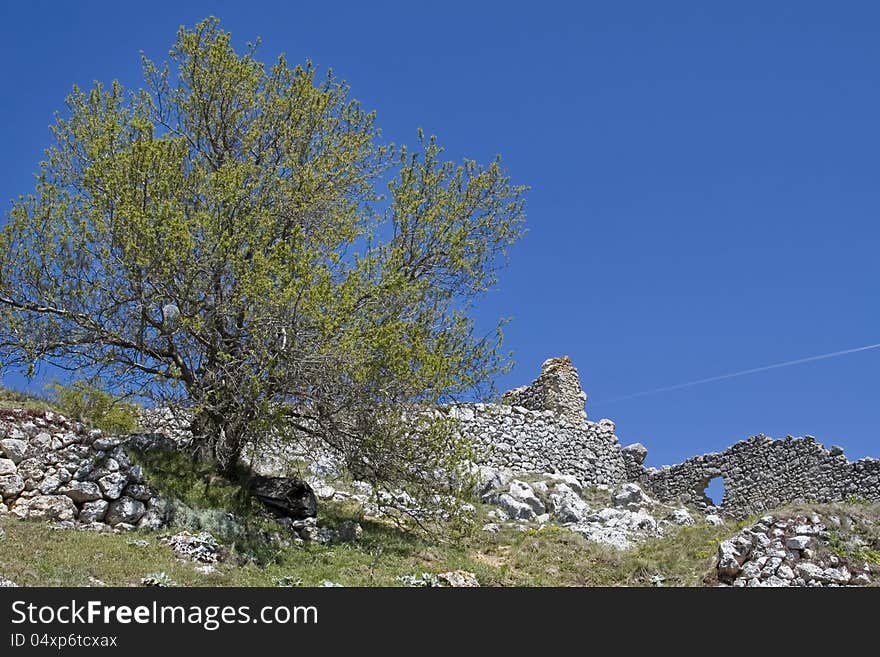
[28, 401]
[549, 557]
[35, 554]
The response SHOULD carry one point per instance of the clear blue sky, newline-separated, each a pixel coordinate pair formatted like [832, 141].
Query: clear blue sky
[704, 179]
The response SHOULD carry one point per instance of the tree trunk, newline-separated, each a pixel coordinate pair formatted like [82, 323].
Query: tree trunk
[219, 441]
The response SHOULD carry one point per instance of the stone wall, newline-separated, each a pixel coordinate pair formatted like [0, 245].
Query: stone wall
[539, 441]
[762, 473]
[55, 469]
[557, 389]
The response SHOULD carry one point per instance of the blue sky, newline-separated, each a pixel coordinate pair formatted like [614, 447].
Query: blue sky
[704, 179]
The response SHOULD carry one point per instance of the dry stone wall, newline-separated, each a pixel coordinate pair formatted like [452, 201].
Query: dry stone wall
[55, 469]
[762, 473]
[557, 389]
[538, 441]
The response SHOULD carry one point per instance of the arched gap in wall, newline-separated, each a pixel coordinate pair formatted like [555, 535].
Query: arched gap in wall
[714, 490]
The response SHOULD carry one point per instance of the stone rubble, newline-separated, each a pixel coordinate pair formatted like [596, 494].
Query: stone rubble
[631, 517]
[781, 551]
[201, 547]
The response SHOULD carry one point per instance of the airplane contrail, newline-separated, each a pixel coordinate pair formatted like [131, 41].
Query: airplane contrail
[731, 375]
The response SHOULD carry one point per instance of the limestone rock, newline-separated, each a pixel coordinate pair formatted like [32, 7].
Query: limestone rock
[522, 492]
[93, 511]
[125, 510]
[11, 485]
[630, 495]
[113, 484]
[567, 505]
[14, 450]
[51, 507]
[459, 579]
[81, 491]
[515, 508]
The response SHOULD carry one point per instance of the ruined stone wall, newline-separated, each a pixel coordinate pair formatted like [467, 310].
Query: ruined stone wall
[55, 469]
[557, 389]
[762, 473]
[539, 441]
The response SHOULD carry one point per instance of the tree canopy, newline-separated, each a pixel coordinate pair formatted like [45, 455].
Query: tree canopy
[236, 238]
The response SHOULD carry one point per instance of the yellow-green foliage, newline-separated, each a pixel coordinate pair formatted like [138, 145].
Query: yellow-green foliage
[237, 235]
[89, 403]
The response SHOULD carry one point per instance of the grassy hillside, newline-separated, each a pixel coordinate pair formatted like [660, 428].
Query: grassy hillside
[36, 555]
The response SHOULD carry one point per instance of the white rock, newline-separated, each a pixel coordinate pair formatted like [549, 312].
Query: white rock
[13, 449]
[7, 467]
[715, 520]
[567, 505]
[51, 507]
[93, 511]
[797, 542]
[521, 491]
[125, 510]
[113, 484]
[631, 495]
[81, 491]
[837, 575]
[515, 508]
[681, 517]
[49, 485]
[729, 560]
[809, 571]
[605, 535]
[569, 480]
[785, 572]
[11, 485]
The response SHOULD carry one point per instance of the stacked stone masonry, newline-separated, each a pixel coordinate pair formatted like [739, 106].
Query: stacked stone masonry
[54, 469]
[543, 428]
[762, 473]
[538, 441]
[557, 389]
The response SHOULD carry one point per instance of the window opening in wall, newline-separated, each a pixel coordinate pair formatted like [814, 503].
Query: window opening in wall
[715, 490]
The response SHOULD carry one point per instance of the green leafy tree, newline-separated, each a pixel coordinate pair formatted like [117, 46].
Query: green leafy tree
[89, 402]
[220, 240]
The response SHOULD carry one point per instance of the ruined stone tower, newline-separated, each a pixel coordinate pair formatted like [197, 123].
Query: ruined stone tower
[557, 389]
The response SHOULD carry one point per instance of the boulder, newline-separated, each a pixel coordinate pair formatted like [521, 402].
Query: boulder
[286, 496]
[636, 452]
[729, 559]
[515, 508]
[113, 484]
[522, 492]
[459, 579]
[567, 505]
[490, 480]
[681, 517]
[798, 543]
[11, 485]
[93, 511]
[81, 491]
[125, 510]
[7, 467]
[632, 496]
[51, 507]
[13, 449]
